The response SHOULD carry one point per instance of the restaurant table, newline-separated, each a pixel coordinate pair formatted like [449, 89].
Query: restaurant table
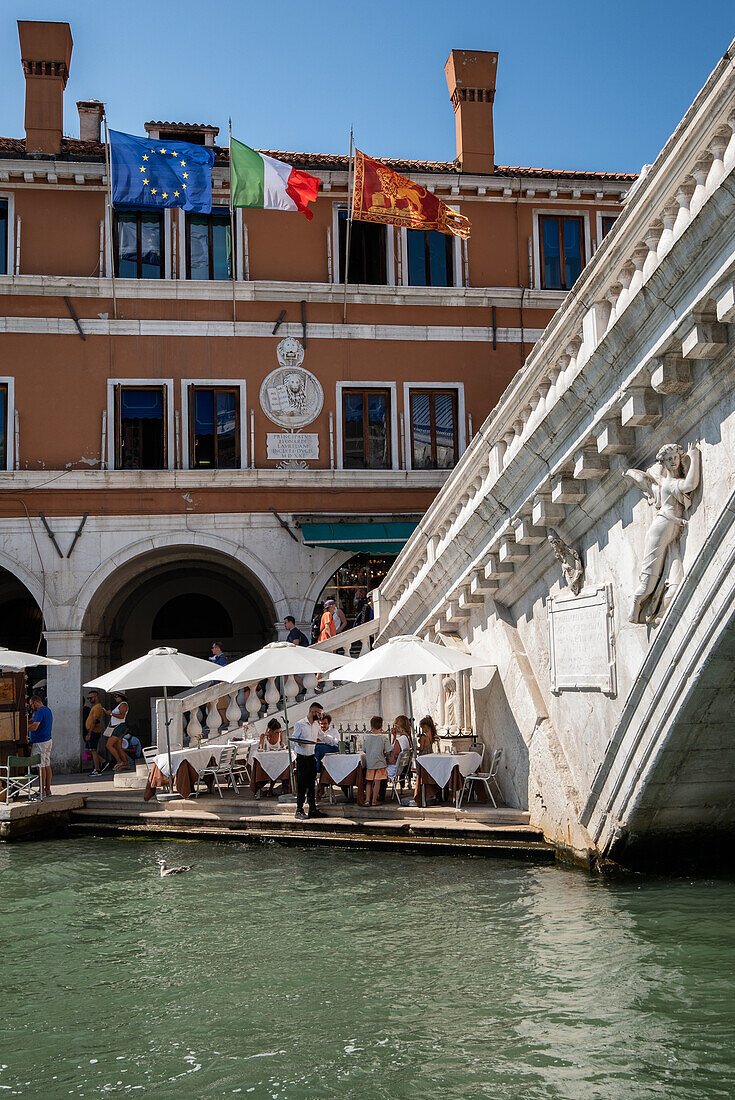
[269, 766]
[437, 771]
[187, 764]
[344, 769]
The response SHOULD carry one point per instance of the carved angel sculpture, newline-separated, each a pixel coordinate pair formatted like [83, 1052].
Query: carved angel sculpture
[450, 703]
[669, 493]
[571, 563]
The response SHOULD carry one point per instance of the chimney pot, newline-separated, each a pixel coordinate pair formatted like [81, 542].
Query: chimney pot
[471, 76]
[45, 51]
[91, 112]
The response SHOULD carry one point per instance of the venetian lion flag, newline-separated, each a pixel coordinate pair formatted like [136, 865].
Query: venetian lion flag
[382, 195]
[269, 184]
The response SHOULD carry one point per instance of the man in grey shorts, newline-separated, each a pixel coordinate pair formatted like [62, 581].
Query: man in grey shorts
[39, 735]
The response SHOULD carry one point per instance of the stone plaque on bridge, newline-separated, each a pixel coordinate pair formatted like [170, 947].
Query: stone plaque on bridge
[298, 447]
[582, 642]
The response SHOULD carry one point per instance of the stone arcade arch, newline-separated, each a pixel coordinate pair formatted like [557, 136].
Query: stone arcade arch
[124, 616]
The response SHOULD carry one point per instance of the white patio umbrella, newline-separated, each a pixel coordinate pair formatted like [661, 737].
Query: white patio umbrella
[279, 659]
[159, 668]
[406, 655]
[14, 660]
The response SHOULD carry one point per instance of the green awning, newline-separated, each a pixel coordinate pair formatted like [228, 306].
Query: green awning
[359, 537]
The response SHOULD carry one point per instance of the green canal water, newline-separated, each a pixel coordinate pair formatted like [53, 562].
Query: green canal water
[290, 974]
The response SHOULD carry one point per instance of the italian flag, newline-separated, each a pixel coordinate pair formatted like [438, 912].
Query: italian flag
[267, 184]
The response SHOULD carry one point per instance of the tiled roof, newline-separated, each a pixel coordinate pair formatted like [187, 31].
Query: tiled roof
[73, 148]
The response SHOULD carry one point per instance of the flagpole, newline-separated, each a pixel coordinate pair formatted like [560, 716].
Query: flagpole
[350, 204]
[232, 238]
[110, 243]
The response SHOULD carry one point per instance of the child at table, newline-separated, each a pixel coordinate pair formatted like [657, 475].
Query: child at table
[375, 769]
[427, 734]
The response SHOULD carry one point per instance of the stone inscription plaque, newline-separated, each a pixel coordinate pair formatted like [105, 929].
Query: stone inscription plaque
[582, 642]
[289, 448]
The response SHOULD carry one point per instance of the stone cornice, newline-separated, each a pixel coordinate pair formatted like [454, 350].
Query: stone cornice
[216, 480]
[261, 290]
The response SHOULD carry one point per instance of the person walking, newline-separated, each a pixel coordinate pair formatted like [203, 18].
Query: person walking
[218, 657]
[327, 627]
[93, 726]
[295, 636]
[305, 733]
[39, 735]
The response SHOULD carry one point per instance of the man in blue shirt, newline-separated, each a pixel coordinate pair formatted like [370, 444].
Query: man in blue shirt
[39, 734]
[218, 656]
[294, 635]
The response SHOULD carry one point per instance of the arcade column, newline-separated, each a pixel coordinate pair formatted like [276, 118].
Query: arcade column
[64, 694]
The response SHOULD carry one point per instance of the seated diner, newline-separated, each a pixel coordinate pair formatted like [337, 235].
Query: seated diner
[401, 742]
[327, 739]
[272, 736]
[428, 737]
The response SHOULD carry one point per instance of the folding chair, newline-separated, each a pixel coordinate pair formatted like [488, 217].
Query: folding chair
[28, 783]
[149, 755]
[223, 770]
[488, 779]
[403, 766]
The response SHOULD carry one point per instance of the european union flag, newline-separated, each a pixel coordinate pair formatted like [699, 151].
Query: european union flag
[160, 173]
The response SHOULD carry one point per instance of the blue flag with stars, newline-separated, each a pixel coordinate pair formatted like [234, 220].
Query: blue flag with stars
[155, 174]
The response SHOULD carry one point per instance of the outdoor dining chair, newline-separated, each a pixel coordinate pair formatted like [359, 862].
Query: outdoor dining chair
[223, 770]
[489, 779]
[28, 782]
[149, 755]
[403, 772]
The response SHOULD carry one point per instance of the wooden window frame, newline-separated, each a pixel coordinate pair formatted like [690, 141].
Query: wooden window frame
[450, 258]
[5, 427]
[612, 218]
[366, 392]
[139, 257]
[418, 391]
[193, 390]
[215, 216]
[559, 219]
[5, 258]
[119, 387]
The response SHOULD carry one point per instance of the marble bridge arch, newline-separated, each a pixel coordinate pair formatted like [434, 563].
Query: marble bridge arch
[619, 745]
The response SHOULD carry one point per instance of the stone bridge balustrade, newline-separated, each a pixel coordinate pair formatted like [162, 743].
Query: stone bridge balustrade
[203, 713]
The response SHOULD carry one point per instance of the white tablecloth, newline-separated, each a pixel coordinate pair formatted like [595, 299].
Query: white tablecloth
[273, 764]
[439, 764]
[337, 765]
[198, 758]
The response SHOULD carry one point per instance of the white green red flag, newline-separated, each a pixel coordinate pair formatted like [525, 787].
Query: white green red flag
[265, 183]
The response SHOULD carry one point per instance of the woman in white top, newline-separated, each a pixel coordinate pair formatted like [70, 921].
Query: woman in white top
[115, 731]
[272, 736]
[402, 742]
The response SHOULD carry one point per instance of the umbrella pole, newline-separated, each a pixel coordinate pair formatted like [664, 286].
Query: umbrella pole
[288, 739]
[171, 793]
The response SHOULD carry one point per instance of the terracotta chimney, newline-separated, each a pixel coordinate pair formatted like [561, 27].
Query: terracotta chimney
[471, 76]
[90, 119]
[45, 51]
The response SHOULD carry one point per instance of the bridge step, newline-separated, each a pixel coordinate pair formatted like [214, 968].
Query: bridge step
[500, 831]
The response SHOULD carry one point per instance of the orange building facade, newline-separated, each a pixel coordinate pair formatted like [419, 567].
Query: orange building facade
[187, 457]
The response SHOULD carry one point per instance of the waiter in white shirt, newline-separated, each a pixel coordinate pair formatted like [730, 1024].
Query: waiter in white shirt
[303, 738]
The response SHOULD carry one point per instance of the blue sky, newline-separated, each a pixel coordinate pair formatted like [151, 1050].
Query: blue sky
[580, 85]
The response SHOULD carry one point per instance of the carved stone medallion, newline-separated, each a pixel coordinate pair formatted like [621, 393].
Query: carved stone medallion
[291, 396]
